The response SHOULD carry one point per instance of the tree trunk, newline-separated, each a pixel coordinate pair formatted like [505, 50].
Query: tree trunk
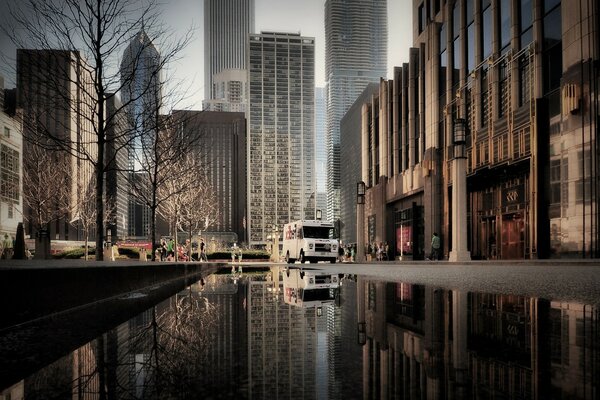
[153, 232]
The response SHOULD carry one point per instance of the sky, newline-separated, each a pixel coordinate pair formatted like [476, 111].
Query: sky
[304, 16]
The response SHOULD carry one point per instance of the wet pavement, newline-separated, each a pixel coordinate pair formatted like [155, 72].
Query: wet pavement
[407, 330]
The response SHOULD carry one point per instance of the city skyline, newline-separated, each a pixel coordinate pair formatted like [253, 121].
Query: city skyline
[306, 17]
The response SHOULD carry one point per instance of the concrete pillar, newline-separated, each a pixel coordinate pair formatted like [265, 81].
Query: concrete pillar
[459, 210]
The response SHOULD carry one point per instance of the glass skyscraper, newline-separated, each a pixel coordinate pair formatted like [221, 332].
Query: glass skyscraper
[281, 185]
[355, 55]
[141, 96]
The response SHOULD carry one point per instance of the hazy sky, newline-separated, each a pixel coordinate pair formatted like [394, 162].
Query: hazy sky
[304, 16]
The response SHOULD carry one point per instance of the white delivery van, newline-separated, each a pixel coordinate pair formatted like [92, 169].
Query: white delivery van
[309, 240]
[309, 288]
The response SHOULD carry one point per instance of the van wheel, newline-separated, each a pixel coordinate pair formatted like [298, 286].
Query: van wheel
[302, 258]
[288, 259]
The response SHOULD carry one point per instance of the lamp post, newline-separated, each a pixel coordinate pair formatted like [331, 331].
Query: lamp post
[360, 221]
[459, 250]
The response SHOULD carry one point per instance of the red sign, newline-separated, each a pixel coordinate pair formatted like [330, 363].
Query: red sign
[135, 245]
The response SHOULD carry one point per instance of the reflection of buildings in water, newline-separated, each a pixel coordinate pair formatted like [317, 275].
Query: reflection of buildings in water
[228, 352]
[300, 349]
[282, 344]
[423, 342]
[572, 346]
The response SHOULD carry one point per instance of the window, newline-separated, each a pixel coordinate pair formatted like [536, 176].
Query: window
[552, 54]
[11, 211]
[456, 61]
[526, 22]
[6, 131]
[422, 18]
[505, 22]
[503, 104]
[9, 173]
[487, 28]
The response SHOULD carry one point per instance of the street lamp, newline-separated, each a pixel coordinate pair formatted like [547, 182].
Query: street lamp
[360, 220]
[459, 250]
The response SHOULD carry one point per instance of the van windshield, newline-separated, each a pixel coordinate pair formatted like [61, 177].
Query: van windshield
[324, 294]
[318, 232]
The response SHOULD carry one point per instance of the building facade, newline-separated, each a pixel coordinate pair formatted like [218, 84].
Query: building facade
[356, 37]
[117, 183]
[523, 75]
[230, 91]
[227, 26]
[219, 140]
[321, 148]
[53, 90]
[281, 185]
[350, 169]
[141, 95]
[11, 168]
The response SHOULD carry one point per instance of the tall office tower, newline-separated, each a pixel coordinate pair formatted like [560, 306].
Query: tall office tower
[117, 193]
[321, 149]
[230, 91]
[355, 55]
[219, 140]
[227, 26]
[141, 96]
[54, 93]
[281, 134]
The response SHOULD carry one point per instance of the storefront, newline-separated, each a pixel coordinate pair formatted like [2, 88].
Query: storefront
[408, 231]
[500, 220]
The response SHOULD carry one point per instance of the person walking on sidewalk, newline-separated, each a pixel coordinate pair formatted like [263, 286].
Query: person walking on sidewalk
[435, 247]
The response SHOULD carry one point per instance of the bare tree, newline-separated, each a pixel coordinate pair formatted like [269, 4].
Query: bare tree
[100, 30]
[45, 192]
[192, 204]
[162, 173]
[85, 211]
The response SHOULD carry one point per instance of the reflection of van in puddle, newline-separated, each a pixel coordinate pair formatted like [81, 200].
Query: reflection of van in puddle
[304, 288]
[309, 240]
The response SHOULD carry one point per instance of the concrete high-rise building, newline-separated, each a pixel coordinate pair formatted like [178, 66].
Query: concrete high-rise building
[219, 140]
[230, 91]
[522, 78]
[53, 90]
[281, 186]
[141, 96]
[356, 35]
[321, 149]
[227, 26]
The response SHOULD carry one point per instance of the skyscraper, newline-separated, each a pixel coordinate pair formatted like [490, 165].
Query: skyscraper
[355, 55]
[55, 95]
[218, 139]
[141, 96]
[227, 25]
[281, 185]
[321, 148]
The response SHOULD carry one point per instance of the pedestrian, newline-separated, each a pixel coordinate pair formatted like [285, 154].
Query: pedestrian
[170, 250]
[203, 251]
[435, 247]
[163, 249]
